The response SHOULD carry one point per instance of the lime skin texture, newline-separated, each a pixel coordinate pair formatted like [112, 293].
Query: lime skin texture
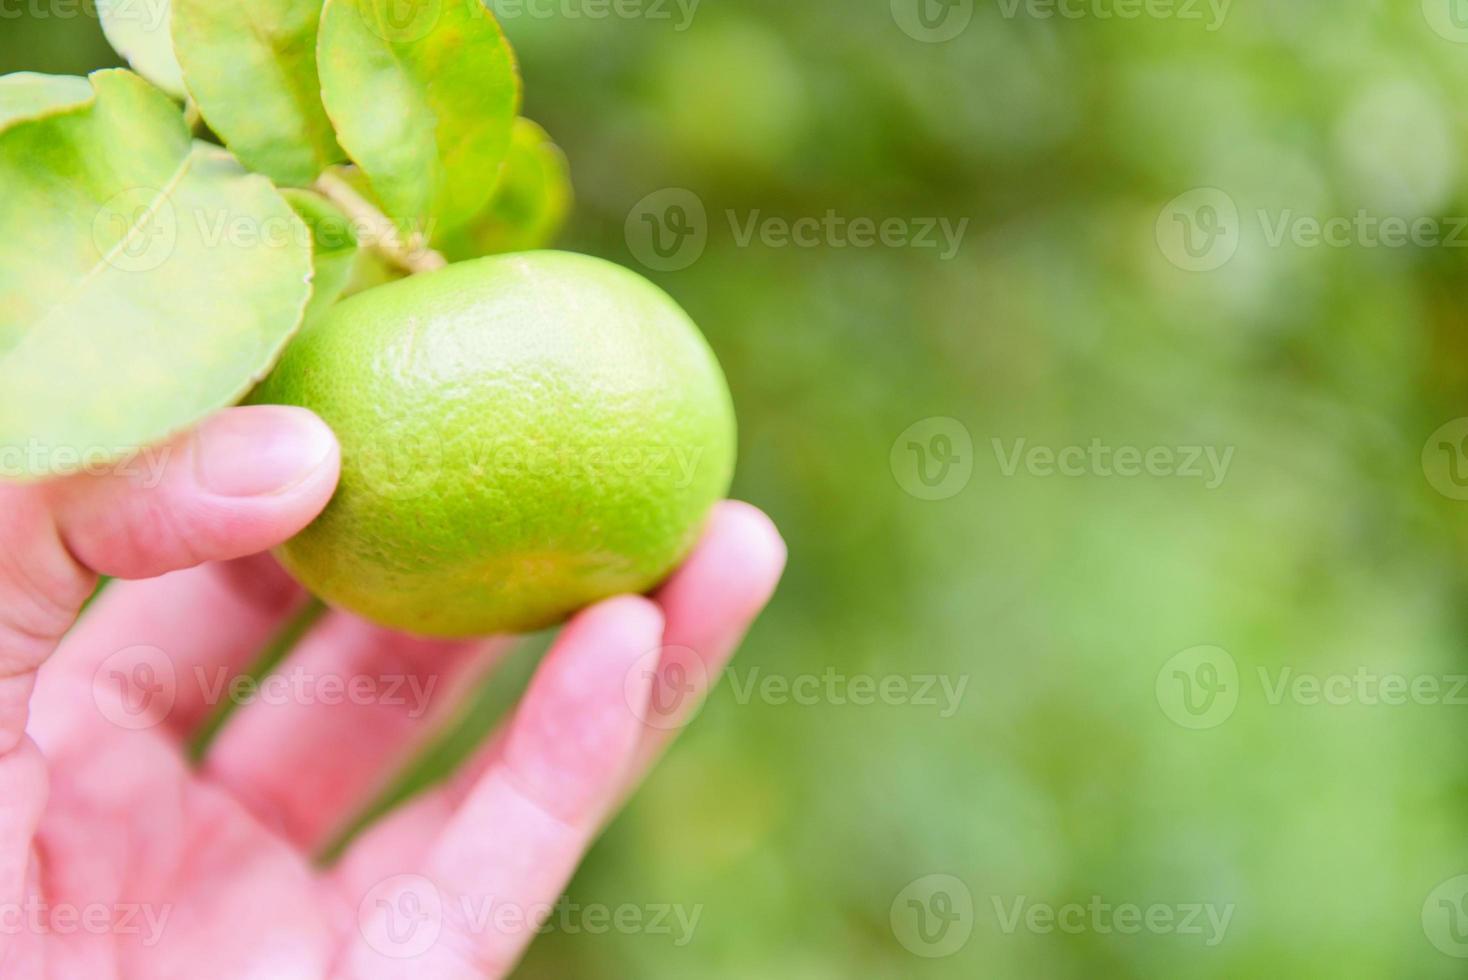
[522, 435]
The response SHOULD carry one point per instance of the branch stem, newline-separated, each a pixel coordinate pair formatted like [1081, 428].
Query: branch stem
[414, 256]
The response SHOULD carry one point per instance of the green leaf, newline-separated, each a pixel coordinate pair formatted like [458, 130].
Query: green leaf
[334, 248]
[424, 105]
[138, 30]
[59, 171]
[251, 69]
[145, 280]
[530, 202]
[26, 95]
[371, 271]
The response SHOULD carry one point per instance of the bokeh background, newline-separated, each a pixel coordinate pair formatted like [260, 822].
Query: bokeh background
[1137, 723]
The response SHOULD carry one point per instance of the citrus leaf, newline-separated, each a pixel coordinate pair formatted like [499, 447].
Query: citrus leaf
[138, 30]
[145, 280]
[250, 67]
[530, 202]
[334, 248]
[425, 105]
[371, 271]
[61, 172]
[26, 95]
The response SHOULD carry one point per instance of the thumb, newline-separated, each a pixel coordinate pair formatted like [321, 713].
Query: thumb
[246, 480]
[243, 482]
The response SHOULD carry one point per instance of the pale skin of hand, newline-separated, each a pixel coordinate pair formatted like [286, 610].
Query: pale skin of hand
[118, 859]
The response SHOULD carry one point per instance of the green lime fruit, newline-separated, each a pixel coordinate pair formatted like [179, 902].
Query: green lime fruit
[522, 435]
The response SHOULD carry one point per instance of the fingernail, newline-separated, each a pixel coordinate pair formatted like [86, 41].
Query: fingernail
[260, 450]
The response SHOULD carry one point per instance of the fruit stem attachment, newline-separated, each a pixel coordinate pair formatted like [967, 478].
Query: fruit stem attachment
[413, 256]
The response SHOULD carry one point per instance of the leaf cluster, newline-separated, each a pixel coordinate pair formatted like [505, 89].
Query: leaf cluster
[167, 230]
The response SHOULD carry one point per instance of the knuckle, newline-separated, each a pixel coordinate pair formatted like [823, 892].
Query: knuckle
[41, 584]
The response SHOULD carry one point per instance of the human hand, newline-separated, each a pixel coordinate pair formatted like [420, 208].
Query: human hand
[118, 859]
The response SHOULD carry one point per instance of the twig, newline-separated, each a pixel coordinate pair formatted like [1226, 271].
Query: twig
[413, 256]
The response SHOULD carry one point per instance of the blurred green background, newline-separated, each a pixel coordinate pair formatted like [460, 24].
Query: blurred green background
[1138, 269]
